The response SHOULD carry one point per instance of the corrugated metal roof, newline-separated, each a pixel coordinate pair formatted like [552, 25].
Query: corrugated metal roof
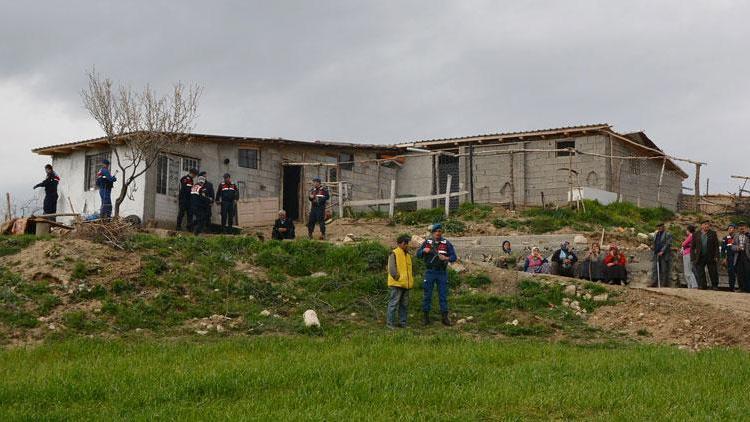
[229, 138]
[537, 132]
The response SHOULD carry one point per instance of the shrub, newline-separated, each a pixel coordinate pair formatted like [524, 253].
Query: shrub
[80, 271]
[474, 212]
[478, 280]
[454, 226]
[10, 245]
[422, 216]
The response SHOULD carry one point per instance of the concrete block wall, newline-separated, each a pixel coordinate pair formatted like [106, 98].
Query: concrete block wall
[642, 188]
[416, 178]
[536, 172]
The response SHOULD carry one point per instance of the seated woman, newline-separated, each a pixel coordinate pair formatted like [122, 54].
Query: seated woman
[614, 267]
[592, 266]
[283, 227]
[536, 263]
[506, 259]
[564, 260]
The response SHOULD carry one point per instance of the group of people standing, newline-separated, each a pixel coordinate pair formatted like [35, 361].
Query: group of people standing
[702, 251]
[196, 199]
[104, 182]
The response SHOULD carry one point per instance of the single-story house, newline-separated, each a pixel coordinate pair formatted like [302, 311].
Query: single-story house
[275, 173]
[264, 170]
[539, 170]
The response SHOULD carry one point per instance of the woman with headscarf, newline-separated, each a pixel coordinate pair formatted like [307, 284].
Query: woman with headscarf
[614, 266]
[592, 266]
[506, 259]
[536, 263]
[565, 260]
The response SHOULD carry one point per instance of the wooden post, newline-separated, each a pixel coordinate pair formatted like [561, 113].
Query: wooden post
[661, 177]
[570, 175]
[697, 192]
[512, 183]
[471, 173]
[392, 204]
[448, 196]
[708, 181]
[8, 215]
[341, 199]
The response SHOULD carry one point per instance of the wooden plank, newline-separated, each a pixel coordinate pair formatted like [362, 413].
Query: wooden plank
[392, 199]
[368, 202]
[341, 199]
[448, 196]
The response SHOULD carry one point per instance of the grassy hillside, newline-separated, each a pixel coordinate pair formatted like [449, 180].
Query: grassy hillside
[184, 285]
[370, 375]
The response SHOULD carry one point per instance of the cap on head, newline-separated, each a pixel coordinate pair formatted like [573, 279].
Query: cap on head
[436, 227]
[404, 238]
[106, 162]
[193, 171]
[732, 226]
[202, 174]
[48, 166]
[316, 179]
[227, 175]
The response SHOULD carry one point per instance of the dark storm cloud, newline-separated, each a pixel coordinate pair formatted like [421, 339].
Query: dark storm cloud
[387, 71]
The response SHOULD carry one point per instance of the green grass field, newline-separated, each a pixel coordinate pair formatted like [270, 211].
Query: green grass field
[372, 375]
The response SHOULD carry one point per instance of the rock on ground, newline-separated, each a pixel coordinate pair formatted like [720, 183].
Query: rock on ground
[310, 318]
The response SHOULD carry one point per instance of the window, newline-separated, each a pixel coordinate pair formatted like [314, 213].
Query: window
[248, 158]
[332, 176]
[565, 145]
[635, 167]
[168, 174]
[346, 161]
[93, 164]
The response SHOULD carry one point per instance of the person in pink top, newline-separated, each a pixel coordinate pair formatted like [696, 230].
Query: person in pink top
[687, 265]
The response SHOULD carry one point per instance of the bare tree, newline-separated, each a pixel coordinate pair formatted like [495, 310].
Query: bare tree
[139, 126]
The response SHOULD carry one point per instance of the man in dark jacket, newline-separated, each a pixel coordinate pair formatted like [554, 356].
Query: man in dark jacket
[200, 201]
[186, 211]
[105, 181]
[50, 183]
[283, 227]
[227, 196]
[565, 260]
[741, 248]
[318, 198]
[436, 252]
[704, 253]
[727, 255]
[662, 266]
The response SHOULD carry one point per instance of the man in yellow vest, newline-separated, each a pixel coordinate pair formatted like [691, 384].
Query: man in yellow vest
[400, 281]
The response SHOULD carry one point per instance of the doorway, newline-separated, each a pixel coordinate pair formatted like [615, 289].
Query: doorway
[447, 164]
[290, 194]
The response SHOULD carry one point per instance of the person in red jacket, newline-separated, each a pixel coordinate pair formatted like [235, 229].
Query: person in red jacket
[614, 266]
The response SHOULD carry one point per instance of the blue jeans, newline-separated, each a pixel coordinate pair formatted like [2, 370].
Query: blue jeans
[398, 300]
[430, 278]
[106, 196]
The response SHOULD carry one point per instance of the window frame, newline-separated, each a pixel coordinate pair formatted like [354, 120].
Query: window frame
[348, 160]
[164, 181]
[91, 166]
[251, 165]
[564, 145]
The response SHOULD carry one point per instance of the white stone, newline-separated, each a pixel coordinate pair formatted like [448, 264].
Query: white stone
[601, 298]
[642, 236]
[201, 332]
[470, 318]
[318, 274]
[311, 318]
[220, 328]
[51, 326]
[580, 240]
[461, 321]
[570, 290]
[265, 313]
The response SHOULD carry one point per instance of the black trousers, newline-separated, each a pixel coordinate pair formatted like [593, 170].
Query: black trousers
[186, 211]
[713, 273]
[317, 216]
[743, 272]
[227, 215]
[50, 203]
[202, 219]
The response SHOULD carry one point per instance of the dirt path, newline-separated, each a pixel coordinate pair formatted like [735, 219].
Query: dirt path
[689, 319]
[738, 303]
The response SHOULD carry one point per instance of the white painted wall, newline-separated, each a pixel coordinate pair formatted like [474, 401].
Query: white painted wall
[72, 171]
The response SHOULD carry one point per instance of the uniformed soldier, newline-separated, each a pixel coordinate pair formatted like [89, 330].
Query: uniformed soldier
[318, 198]
[186, 186]
[227, 196]
[105, 181]
[200, 201]
[436, 252]
[50, 183]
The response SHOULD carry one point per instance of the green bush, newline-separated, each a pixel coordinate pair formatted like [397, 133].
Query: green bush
[474, 212]
[418, 217]
[80, 271]
[10, 245]
[478, 280]
[454, 226]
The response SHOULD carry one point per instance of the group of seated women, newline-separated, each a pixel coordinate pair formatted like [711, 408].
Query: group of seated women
[595, 266]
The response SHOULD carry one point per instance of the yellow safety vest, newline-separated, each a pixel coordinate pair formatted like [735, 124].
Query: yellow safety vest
[403, 265]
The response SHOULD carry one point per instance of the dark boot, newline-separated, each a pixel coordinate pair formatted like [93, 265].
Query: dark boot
[446, 320]
[426, 318]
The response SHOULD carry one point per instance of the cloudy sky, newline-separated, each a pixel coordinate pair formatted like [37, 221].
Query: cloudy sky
[386, 71]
